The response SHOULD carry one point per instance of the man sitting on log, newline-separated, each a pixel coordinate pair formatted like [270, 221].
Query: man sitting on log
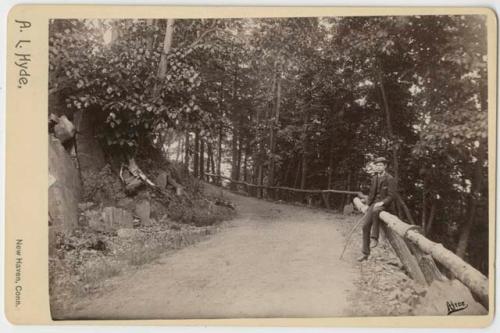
[382, 194]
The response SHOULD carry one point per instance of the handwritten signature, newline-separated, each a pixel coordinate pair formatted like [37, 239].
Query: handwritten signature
[455, 306]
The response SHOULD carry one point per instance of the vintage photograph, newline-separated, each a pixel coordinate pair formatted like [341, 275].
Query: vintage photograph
[292, 167]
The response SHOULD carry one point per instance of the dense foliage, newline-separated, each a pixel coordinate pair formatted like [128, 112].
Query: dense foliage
[299, 102]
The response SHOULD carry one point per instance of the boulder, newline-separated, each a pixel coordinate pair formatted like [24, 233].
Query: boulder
[348, 209]
[85, 205]
[126, 203]
[64, 188]
[143, 211]
[52, 180]
[161, 180]
[128, 233]
[94, 219]
[448, 298]
[90, 154]
[64, 130]
[132, 183]
[114, 218]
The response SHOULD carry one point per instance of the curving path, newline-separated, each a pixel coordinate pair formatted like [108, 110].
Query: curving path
[273, 260]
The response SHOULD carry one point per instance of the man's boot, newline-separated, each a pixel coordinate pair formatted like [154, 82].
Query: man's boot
[363, 257]
[373, 242]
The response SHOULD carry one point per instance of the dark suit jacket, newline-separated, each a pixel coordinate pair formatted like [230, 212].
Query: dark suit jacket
[384, 191]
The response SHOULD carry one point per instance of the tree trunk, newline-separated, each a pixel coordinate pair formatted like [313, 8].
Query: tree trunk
[219, 152]
[234, 111]
[180, 143]
[238, 168]
[186, 151]
[234, 157]
[296, 183]
[348, 186]
[167, 45]
[196, 155]
[202, 158]
[330, 166]
[209, 158]
[212, 159]
[245, 162]
[432, 215]
[286, 174]
[482, 154]
[260, 181]
[220, 128]
[305, 145]
[274, 124]
[466, 229]
[303, 178]
[424, 206]
[389, 126]
[405, 209]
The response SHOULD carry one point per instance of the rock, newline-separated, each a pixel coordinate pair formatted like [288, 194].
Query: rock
[65, 191]
[64, 129]
[442, 296]
[90, 154]
[126, 203]
[420, 290]
[114, 218]
[53, 119]
[175, 227]
[158, 209]
[128, 233]
[94, 220]
[143, 211]
[52, 241]
[52, 180]
[85, 205]
[98, 245]
[132, 185]
[220, 202]
[179, 191]
[161, 180]
[348, 209]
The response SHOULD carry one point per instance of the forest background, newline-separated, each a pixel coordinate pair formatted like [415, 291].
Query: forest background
[297, 102]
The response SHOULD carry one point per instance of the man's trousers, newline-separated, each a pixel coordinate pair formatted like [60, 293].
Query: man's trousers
[371, 226]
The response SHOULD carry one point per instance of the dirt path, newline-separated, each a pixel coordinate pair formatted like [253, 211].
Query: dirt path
[273, 260]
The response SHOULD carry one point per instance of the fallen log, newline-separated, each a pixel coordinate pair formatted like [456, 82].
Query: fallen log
[137, 178]
[137, 172]
[468, 275]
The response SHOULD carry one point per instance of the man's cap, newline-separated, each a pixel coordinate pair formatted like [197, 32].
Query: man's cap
[380, 160]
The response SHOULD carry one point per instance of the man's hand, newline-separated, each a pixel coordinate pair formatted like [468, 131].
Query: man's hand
[378, 204]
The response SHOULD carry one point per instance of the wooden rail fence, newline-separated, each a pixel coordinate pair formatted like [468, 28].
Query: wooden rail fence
[274, 190]
[417, 253]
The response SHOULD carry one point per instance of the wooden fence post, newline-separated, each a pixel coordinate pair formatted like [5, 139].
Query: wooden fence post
[403, 252]
[427, 265]
[326, 199]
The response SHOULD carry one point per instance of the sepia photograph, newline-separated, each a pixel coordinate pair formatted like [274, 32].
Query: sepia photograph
[288, 167]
